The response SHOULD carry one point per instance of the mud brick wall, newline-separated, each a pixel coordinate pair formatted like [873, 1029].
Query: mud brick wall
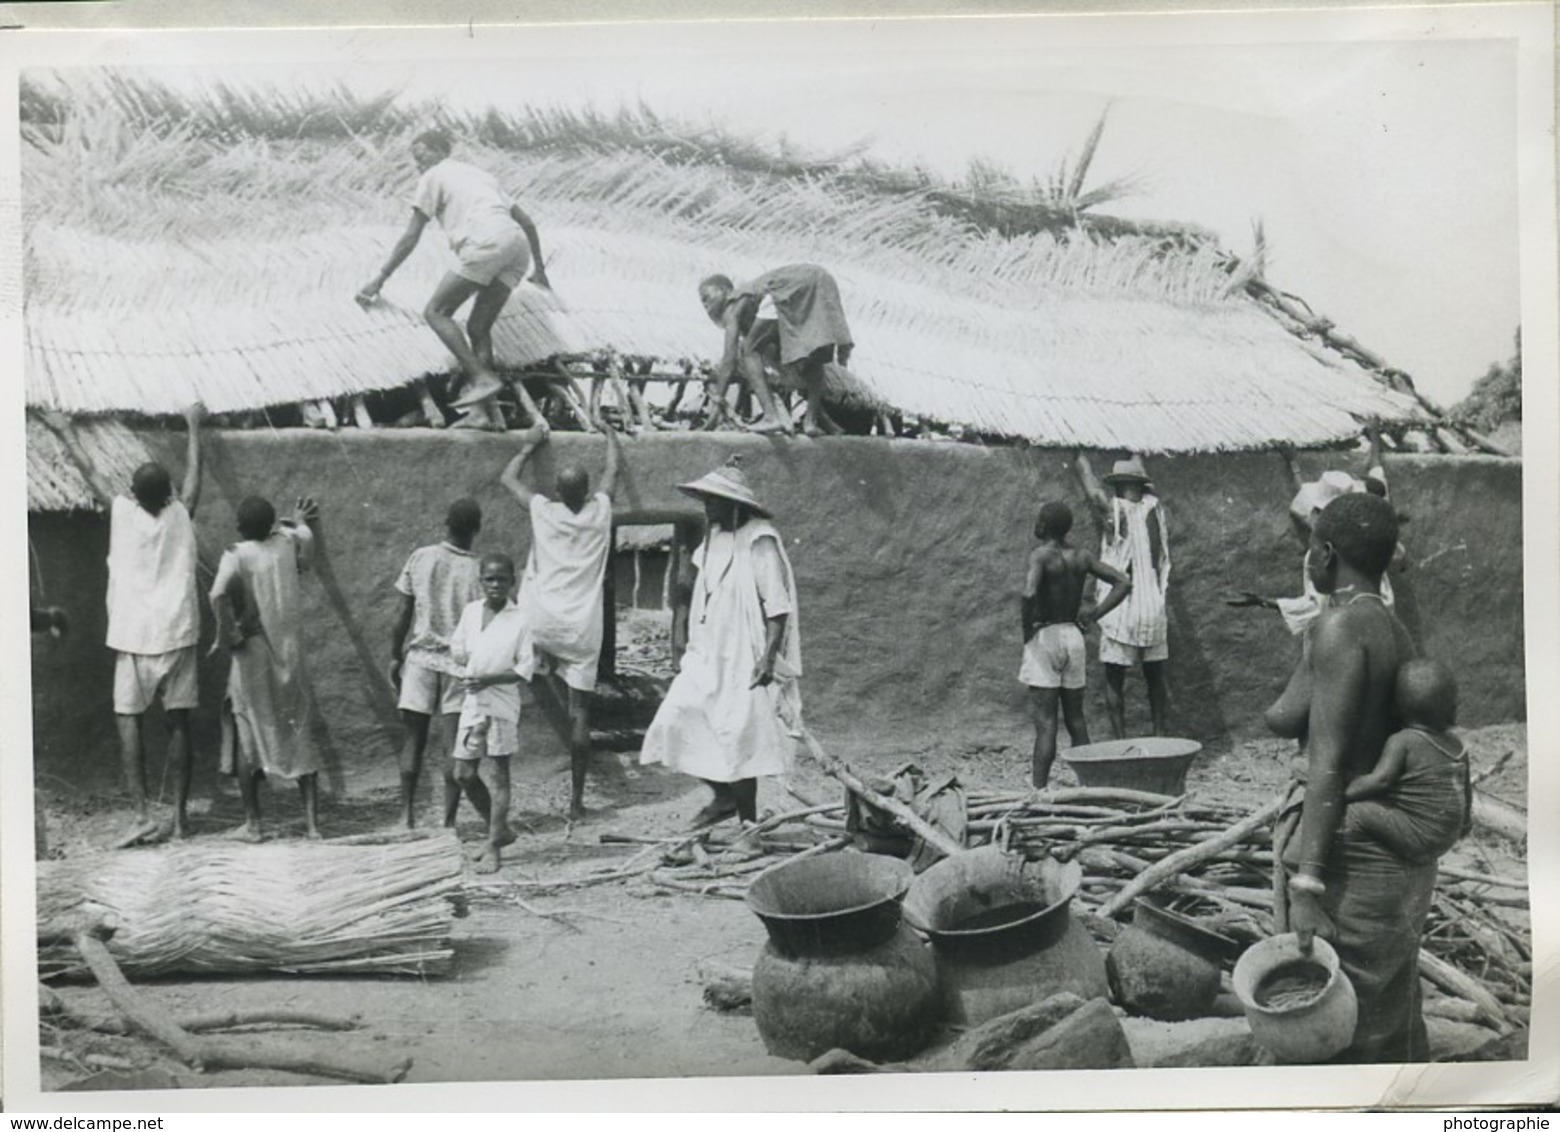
[908, 556]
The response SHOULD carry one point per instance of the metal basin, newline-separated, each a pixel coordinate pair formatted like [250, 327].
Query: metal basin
[832, 904]
[1155, 765]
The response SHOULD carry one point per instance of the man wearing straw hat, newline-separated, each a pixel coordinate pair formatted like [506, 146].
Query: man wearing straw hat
[1136, 631]
[730, 714]
[494, 241]
[806, 331]
[153, 613]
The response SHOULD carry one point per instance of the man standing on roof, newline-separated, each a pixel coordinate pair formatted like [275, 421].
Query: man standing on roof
[561, 592]
[808, 330]
[494, 241]
[153, 613]
[1134, 543]
[732, 711]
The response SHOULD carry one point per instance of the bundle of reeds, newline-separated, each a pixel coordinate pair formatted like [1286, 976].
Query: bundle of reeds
[216, 907]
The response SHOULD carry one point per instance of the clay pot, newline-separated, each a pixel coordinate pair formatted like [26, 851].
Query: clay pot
[1165, 966]
[1310, 1032]
[1154, 764]
[841, 970]
[1003, 932]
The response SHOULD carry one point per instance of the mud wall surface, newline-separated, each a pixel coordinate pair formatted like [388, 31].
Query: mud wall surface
[909, 558]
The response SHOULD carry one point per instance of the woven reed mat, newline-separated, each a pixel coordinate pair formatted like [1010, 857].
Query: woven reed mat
[212, 907]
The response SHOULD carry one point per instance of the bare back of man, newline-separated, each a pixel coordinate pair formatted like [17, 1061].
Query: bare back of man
[1053, 626]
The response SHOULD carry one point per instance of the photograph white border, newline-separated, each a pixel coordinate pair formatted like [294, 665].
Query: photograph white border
[1531, 26]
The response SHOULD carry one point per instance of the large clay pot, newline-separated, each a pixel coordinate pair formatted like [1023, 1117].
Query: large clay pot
[1154, 764]
[1310, 1032]
[1004, 934]
[1166, 966]
[841, 970]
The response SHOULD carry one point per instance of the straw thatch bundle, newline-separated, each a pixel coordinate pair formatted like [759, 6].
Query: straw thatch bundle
[55, 483]
[173, 258]
[208, 907]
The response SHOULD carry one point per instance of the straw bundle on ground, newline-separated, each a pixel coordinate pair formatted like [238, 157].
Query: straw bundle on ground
[211, 907]
[211, 254]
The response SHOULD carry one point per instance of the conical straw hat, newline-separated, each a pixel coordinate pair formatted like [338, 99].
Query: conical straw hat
[726, 482]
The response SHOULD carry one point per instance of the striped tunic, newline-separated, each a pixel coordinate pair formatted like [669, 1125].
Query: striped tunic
[1140, 621]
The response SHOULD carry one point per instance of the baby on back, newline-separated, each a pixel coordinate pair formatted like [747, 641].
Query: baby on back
[1417, 799]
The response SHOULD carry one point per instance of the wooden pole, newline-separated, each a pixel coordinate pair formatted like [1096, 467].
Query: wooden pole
[885, 802]
[1192, 856]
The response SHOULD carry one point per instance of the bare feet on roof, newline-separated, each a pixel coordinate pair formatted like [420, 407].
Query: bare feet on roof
[482, 423]
[246, 833]
[484, 385]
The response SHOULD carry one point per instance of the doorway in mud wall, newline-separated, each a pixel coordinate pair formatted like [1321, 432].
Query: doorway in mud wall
[641, 604]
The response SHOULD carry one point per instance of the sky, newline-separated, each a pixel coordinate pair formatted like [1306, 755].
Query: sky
[1384, 172]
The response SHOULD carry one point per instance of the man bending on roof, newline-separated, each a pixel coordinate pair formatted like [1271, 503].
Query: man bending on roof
[807, 332]
[1053, 663]
[494, 241]
[153, 613]
[561, 592]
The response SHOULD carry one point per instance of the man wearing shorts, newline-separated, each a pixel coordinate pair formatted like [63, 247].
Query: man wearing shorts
[494, 242]
[561, 592]
[437, 583]
[153, 613]
[1053, 664]
[492, 644]
[1134, 542]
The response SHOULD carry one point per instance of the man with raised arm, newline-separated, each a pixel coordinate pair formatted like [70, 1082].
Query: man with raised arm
[494, 241]
[1346, 885]
[1134, 542]
[561, 592]
[153, 613]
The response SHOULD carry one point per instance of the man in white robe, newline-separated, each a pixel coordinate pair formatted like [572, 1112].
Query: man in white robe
[733, 712]
[561, 591]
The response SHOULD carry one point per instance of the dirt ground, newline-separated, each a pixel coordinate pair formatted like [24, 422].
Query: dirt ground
[605, 983]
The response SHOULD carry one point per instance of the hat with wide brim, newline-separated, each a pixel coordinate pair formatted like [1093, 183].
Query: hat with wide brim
[1130, 470]
[726, 482]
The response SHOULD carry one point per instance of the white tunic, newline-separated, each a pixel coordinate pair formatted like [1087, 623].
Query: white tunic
[152, 603]
[499, 647]
[561, 592]
[1140, 620]
[713, 724]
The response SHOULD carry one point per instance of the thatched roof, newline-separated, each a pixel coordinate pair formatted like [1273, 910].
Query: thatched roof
[164, 263]
[54, 483]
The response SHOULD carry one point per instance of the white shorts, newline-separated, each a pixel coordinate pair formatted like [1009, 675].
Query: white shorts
[579, 675]
[429, 691]
[494, 738]
[1054, 657]
[505, 259]
[1114, 652]
[139, 678]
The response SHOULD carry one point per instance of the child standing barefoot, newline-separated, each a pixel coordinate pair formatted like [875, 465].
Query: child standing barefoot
[492, 641]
